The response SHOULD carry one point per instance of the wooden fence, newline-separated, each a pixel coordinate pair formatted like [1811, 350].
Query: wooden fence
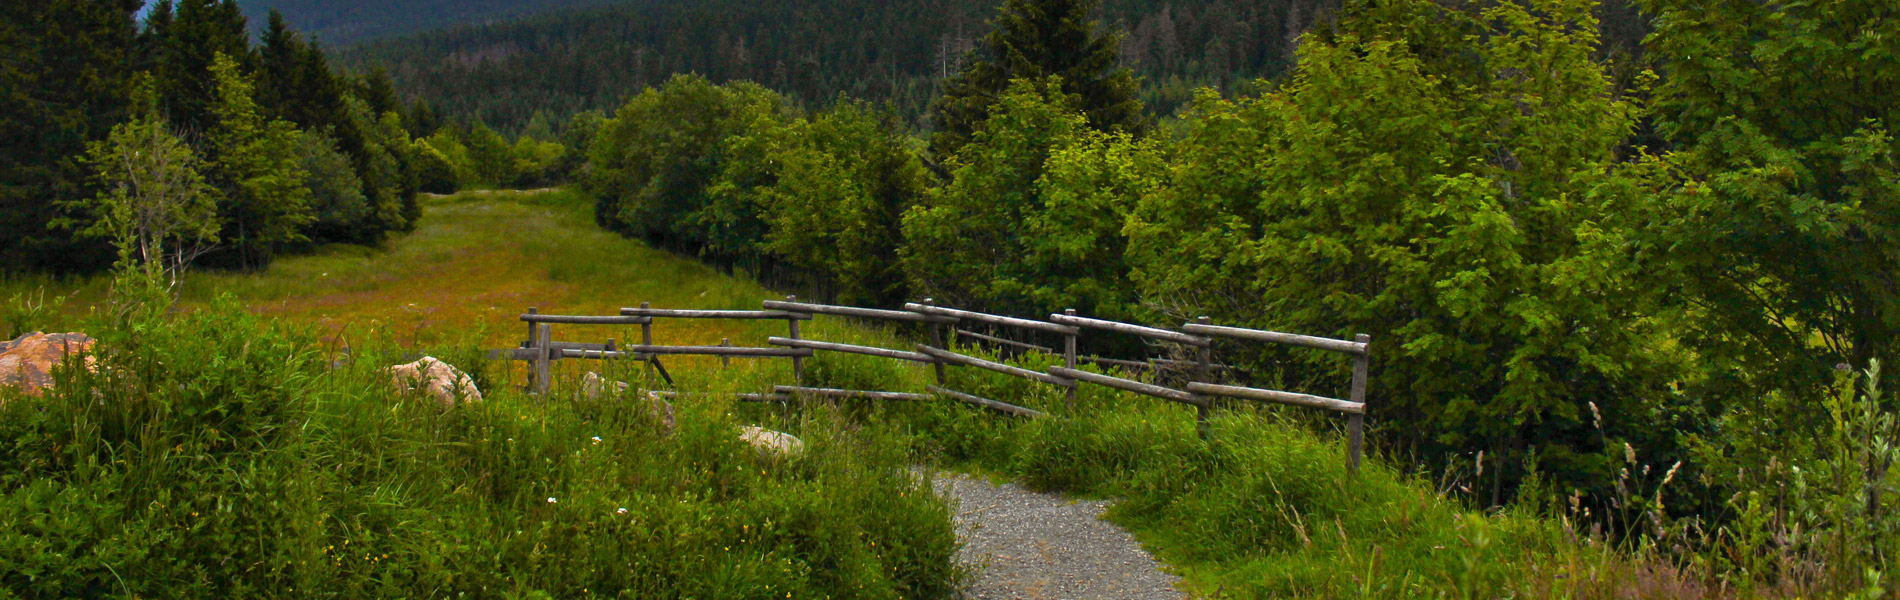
[1197, 338]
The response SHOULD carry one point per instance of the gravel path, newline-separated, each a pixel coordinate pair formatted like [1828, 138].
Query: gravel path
[1030, 546]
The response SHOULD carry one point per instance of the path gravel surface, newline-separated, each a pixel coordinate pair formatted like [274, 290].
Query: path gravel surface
[1030, 546]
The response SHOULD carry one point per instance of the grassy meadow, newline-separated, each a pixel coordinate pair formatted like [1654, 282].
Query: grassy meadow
[233, 454]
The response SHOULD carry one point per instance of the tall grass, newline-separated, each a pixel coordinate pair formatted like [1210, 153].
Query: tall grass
[223, 455]
[1267, 510]
[219, 455]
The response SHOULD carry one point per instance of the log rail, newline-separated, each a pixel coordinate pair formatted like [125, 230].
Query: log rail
[1197, 339]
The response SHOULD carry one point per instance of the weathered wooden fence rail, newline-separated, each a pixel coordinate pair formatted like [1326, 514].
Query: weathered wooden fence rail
[1196, 339]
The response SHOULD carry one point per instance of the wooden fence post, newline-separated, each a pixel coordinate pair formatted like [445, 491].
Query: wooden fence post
[725, 360]
[1068, 359]
[936, 339]
[646, 339]
[1201, 371]
[529, 343]
[1356, 423]
[544, 342]
[798, 363]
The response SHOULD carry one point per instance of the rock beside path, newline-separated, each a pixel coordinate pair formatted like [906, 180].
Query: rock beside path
[781, 444]
[27, 362]
[435, 379]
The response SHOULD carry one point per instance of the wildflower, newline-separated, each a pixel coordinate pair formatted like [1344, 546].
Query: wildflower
[1629, 453]
[551, 500]
[620, 511]
[1672, 473]
[597, 439]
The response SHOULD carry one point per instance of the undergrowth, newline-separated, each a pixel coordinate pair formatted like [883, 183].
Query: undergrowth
[224, 454]
[219, 454]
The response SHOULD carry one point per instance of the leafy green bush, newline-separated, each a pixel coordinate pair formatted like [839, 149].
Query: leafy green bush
[1030, 221]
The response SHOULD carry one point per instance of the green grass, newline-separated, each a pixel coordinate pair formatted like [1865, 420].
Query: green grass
[457, 498]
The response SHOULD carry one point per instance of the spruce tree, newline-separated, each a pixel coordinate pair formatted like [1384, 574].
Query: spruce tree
[256, 168]
[199, 31]
[66, 72]
[1034, 39]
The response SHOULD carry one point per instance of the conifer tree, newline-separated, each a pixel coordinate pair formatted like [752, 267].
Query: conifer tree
[256, 165]
[1036, 39]
[64, 75]
[199, 31]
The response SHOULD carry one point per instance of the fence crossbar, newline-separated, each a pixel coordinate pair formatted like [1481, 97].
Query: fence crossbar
[838, 393]
[1308, 400]
[971, 361]
[1006, 342]
[991, 319]
[586, 319]
[852, 311]
[742, 351]
[1129, 385]
[1140, 330]
[672, 313]
[1002, 407]
[851, 349]
[1293, 339]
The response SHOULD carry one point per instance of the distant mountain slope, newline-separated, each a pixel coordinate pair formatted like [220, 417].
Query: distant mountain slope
[886, 50]
[892, 51]
[342, 22]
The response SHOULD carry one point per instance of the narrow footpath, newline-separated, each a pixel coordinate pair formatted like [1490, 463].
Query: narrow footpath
[1030, 546]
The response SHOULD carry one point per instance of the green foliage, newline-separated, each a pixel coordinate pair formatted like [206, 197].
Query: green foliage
[155, 208]
[1818, 509]
[1779, 208]
[1266, 510]
[194, 33]
[336, 195]
[1031, 219]
[1036, 40]
[845, 177]
[256, 167]
[219, 455]
[67, 84]
[656, 162]
[491, 157]
[436, 173]
[896, 53]
[1427, 195]
[535, 161]
[389, 183]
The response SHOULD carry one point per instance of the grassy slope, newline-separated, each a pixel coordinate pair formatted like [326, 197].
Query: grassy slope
[478, 260]
[1264, 512]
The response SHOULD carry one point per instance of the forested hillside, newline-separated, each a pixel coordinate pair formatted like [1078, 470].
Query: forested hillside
[246, 150]
[895, 51]
[338, 22]
[882, 51]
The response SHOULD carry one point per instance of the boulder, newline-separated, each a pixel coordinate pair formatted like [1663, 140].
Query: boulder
[27, 362]
[593, 385]
[435, 379]
[766, 440]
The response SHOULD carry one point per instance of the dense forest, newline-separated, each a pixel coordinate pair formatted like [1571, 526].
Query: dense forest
[343, 22]
[279, 150]
[895, 52]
